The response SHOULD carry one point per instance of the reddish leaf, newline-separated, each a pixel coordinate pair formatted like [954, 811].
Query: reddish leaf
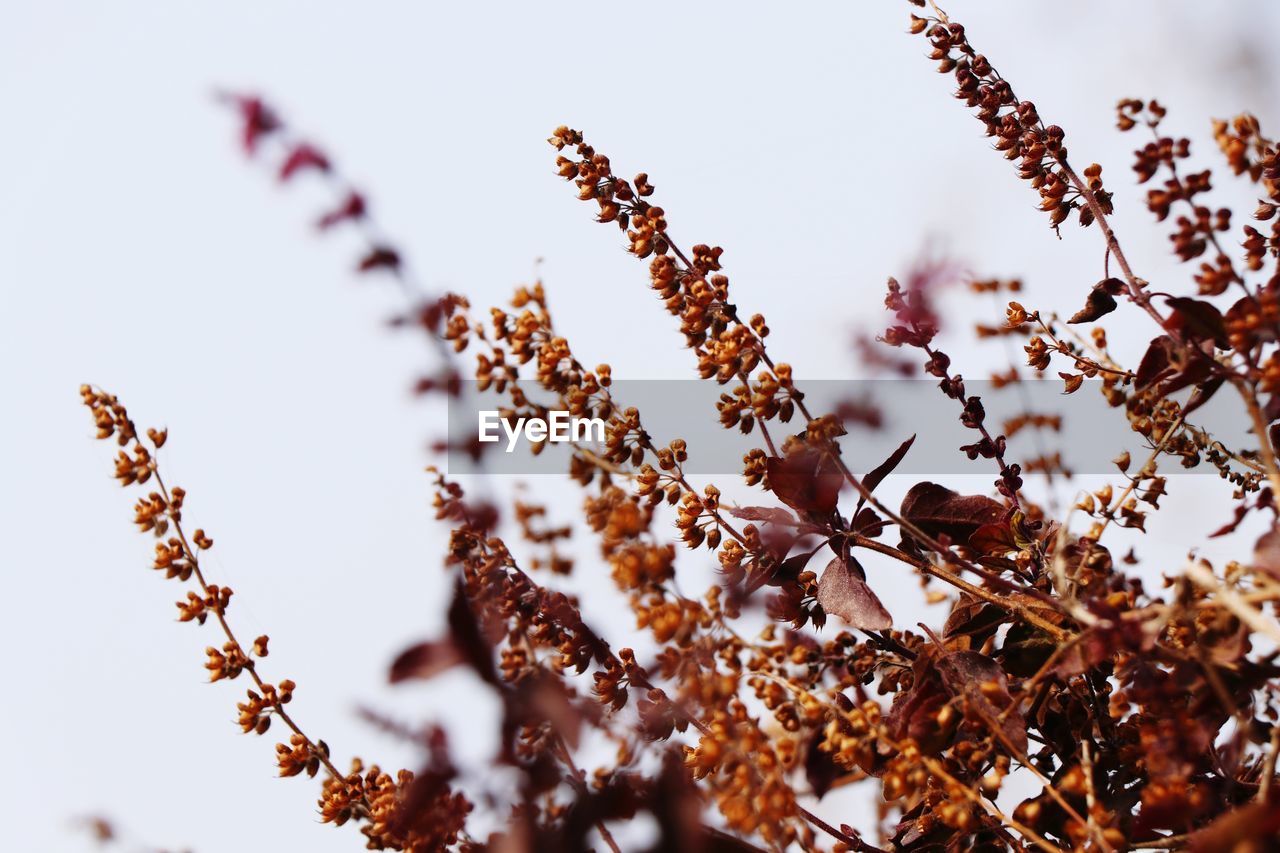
[877, 474]
[982, 683]
[1203, 394]
[1251, 334]
[938, 510]
[914, 712]
[1156, 362]
[468, 637]
[1025, 649]
[546, 698]
[1195, 373]
[1198, 320]
[971, 617]
[842, 593]
[425, 660]
[867, 522]
[782, 574]
[994, 539]
[806, 482]
[765, 514]
[820, 770]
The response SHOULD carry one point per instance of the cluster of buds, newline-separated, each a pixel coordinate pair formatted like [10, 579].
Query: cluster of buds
[1196, 231]
[1014, 124]
[255, 713]
[228, 663]
[697, 518]
[1250, 153]
[197, 607]
[692, 286]
[160, 513]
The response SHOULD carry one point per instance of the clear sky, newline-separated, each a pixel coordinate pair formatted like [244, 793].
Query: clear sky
[140, 251]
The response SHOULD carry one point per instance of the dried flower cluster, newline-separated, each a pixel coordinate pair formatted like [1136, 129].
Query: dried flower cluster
[367, 795]
[1121, 716]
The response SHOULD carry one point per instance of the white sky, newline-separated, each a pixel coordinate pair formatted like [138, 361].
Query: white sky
[139, 251]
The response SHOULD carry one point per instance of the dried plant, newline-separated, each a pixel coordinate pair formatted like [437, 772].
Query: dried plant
[1132, 718]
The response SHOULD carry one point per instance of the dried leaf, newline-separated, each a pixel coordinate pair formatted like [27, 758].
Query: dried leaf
[877, 474]
[546, 698]
[468, 638]
[352, 207]
[1198, 320]
[820, 770]
[994, 539]
[1266, 553]
[982, 683]
[937, 510]
[425, 660]
[806, 482]
[1156, 363]
[764, 514]
[974, 618]
[1099, 303]
[844, 594]
[914, 712]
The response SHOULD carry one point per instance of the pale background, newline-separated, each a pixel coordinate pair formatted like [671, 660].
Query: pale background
[138, 250]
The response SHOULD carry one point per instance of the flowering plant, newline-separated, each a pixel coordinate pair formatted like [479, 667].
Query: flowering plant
[1130, 717]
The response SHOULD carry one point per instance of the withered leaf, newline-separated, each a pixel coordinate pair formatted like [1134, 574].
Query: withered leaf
[867, 522]
[765, 514]
[1266, 552]
[468, 637]
[425, 660]
[806, 482]
[937, 510]
[914, 712]
[380, 257]
[843, 593]
[1025, 649]
[546, 699]
[974, 618]
[1203, 394]
[994, 539]
[414, 813]
[1099, 303]
[773, 517]
[982, 683]
[1197, 319]
[877, 474]
[819, 769]
[1156, 363]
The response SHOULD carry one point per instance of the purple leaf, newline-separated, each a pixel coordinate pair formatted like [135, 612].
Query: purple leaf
[844, 594]
[877, 474]
[425, 660]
